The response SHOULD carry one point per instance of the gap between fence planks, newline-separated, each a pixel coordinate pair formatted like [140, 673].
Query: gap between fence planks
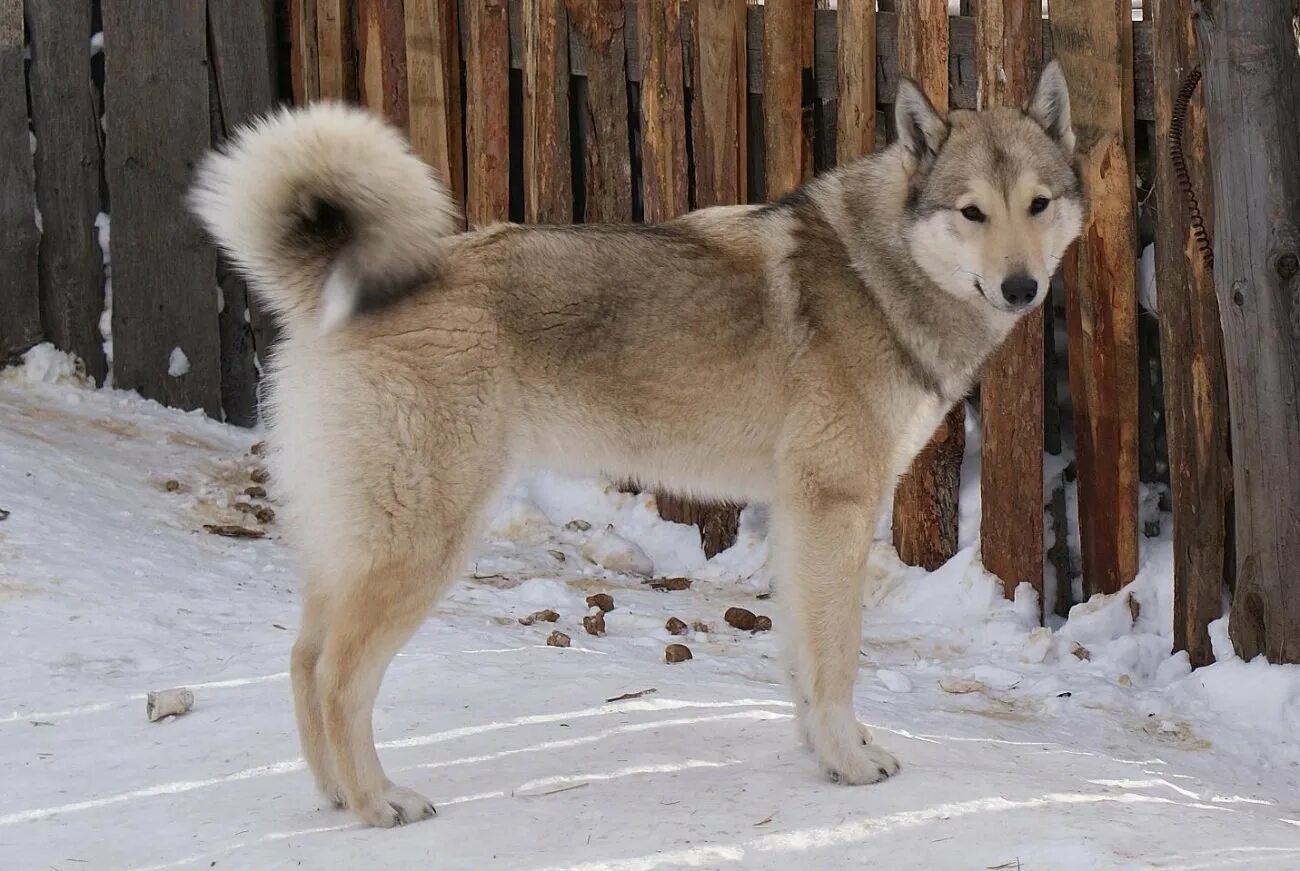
[20, 316]
[1011, 392]
[1191, 347]
[64, 119]
[925, 501]
[163, 269]
[1093, 40]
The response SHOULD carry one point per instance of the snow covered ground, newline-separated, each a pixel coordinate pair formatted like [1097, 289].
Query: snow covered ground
[109, 588]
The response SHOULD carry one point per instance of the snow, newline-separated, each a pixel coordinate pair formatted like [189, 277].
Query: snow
[103, 228]
[1038, 759]
[178, 364]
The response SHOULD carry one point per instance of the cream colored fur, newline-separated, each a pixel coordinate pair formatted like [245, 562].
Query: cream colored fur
[799, 353]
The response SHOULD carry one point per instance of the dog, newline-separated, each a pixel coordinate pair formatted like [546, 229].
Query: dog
[798, 353]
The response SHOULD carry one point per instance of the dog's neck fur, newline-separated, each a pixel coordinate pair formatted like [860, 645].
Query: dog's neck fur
[865, 203]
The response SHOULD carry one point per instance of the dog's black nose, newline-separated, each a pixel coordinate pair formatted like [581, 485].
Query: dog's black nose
[1020, 290]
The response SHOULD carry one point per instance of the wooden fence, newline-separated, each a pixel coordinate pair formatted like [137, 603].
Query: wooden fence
[628, 110]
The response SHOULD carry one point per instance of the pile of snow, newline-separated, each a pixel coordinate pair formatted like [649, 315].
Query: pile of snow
[1083, 745]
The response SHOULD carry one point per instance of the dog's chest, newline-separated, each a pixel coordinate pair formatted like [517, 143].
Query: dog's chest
[918, 427]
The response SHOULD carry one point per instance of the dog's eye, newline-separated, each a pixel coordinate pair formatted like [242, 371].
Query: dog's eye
[972, 213]
[1039, 205]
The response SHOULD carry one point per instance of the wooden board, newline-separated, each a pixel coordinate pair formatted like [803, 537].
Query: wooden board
[1093, 41]
[1252, 91]
[925, 502]
[487, 112]
[381, 38]
[548, 192]
[718, 122]
[164, 272]
[242, 87]
[1191, 347]
[855, 106]
[67, 180]
[334, 49]
[782, 74]
[433, 78]
[598, 28]
[663, 111]
[20, 317]
[1011, 392]
[304, 67]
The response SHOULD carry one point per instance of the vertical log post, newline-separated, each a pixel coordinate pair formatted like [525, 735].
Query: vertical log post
[382, 40]
[1252, 97]
[431, 82]
[600, 26]
[20, 314]
[487, 107]
[1093, 39]
[925, 502]
[548, 191]
[783, 58]
[1011, 393]
[856, 85]
[1191, 343]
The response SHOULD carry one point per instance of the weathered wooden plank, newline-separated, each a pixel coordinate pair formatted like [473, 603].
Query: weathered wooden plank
[548, 192]
[962, 61]
[925, 502]
[304, 69]
[663, 111]
[597, 30]
[164, 272]
[718, 124]
[487, 112]
[433, 82]
[335, 52]
[242, 87]
[1191, 345]
[782, 46]
[67, 180]
[381, 37]
[1093, 41]
[855, 95]
[20, 313]
[1011, 393]
[1252, 97]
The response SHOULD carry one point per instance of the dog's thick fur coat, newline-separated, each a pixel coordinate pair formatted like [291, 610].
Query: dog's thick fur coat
[798, 353]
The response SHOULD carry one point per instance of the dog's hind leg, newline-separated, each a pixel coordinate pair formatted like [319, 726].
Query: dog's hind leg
[306, 693]
[824, 526]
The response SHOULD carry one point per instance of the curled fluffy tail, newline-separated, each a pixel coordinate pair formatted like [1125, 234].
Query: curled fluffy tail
[326, 210]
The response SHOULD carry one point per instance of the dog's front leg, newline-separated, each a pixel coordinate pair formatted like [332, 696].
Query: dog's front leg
[824, 535]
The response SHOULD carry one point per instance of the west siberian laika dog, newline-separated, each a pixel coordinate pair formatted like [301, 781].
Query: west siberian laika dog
[798, 353]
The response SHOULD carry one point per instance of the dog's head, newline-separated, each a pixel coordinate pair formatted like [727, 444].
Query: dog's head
[994, 198]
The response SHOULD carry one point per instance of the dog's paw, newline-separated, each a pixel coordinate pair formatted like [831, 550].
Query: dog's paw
[844, 749]
[332, 795]
[395, 807]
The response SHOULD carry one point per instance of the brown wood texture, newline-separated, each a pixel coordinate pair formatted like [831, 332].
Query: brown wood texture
[242, 79]
[1191, 346]
[1252, 98]
[433, 81]
[548, 191]
[718, 111]
[333, 48]
[925, 501]
[304, 65]
[782, 76]
[64, 120]
[487, 112]
[164, 272]
[381, 38]
[20, 311]
[1093, 41]
[856, 83]
[1011, 392]
[599, 27]
[663, 111]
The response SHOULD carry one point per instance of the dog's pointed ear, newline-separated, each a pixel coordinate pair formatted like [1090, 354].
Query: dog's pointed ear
[1050, 106]
[920, 127]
